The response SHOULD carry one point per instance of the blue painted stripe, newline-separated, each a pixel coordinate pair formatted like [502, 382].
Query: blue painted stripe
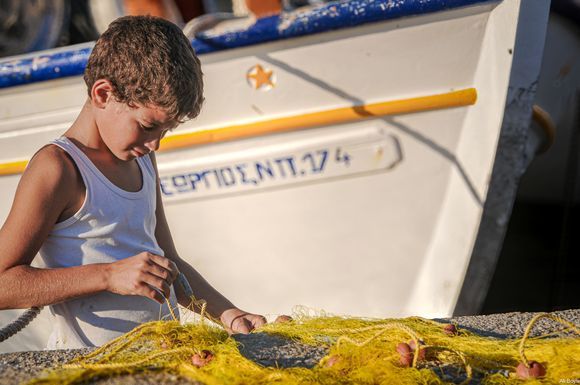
[332, 16]
[43, 67]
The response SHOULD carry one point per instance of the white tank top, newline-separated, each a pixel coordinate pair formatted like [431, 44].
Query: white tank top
[111, 225]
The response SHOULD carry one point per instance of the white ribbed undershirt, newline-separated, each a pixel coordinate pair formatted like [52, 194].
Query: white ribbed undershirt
[111, 225]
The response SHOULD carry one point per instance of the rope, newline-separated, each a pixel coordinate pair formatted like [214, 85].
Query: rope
[14, 327]
[528, 330]
[136, 332]
[468, 368]
[125, 365]
[384, 328]
[200, 303]
[170, 309]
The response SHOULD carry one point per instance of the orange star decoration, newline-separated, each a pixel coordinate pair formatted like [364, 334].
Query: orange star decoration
[259, 78]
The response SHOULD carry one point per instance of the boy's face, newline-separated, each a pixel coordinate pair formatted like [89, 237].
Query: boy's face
[131, 132]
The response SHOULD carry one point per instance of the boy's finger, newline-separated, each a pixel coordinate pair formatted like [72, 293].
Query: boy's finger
[241, 325]
[161, 272]
[157, 283]
[167, 264]
[174, 271]
[258, 321]
[154, 295]
[161, 261]
[245, 326]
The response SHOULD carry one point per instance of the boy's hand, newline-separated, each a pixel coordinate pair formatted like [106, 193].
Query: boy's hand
[143, 274]
[238, 321]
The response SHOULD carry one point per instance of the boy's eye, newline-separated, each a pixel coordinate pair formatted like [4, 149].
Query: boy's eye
[154, 127]
[146, 128]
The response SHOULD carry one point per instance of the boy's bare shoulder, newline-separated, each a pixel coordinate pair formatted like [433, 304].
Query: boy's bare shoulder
[54, 165]
[50, 185]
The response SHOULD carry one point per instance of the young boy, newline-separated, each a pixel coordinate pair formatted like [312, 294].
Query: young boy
[90, 202]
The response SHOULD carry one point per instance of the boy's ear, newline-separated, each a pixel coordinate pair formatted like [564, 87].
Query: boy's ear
[101, 93]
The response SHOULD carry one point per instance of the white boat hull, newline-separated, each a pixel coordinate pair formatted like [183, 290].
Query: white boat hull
[387, 232]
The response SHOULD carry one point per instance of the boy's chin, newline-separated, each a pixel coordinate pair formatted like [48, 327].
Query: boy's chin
[126, 155]
[136, 154]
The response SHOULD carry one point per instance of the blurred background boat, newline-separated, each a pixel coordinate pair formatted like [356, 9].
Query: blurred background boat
[360, 157]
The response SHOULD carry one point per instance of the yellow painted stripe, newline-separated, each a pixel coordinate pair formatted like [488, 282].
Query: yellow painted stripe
[299, 122]
[315, 119]
[11, 168]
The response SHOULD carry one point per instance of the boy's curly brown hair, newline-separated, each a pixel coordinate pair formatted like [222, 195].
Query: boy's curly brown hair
[149, 61]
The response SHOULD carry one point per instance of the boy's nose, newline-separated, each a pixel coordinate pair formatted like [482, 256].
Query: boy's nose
[153, 144]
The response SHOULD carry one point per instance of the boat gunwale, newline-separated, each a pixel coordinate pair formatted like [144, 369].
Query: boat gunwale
[43, 66]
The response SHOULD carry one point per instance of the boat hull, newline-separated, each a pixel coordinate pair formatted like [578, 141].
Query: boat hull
[343, 209]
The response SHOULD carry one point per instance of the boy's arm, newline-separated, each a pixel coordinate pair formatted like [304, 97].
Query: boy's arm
[218, 306]
[46, 189]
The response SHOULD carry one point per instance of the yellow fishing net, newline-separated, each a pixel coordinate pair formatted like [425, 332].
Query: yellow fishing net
[360, 351]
